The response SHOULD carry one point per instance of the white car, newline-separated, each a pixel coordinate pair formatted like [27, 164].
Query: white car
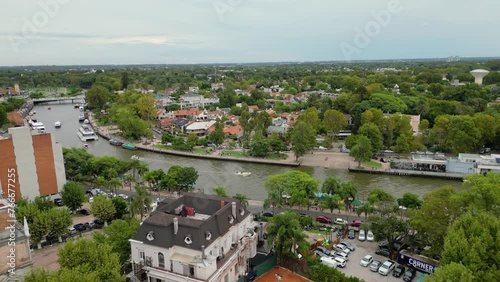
[328, 261]
[361, 236]
[369, 236]
[366, 261]
[123, 196]
[386, 267]
[340, 221]
[342, 262]
[341, 255]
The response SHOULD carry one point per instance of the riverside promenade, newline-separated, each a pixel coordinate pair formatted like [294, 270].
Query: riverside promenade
[109, 132]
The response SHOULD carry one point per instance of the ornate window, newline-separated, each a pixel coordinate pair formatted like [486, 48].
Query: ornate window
[161, 260]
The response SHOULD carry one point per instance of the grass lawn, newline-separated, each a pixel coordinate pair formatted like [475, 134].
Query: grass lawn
[202, 151]
[318, 231]
[373, 164]
[161, 146]
[276, 156]
[237, 154]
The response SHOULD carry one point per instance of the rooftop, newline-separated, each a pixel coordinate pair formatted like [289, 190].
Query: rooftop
[285, 274]
[201, 218]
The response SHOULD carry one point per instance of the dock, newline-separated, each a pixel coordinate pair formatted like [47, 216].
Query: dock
[413, 173]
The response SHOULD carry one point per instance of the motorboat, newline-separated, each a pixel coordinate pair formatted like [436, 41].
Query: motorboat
[49, 108]
[115, 142]
[244, 173]
[57, 124]
[129, 146]
[81, 108]
[135, 157]
[86, 121]
[86, 146]
[81, 117]
[77, 106]
[86, 133]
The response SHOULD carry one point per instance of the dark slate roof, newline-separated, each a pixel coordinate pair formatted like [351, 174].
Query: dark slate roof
[161, 222]
[180, 122]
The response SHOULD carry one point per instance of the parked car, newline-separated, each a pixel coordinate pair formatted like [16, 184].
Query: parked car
[58, 202]
[409, 274]
[71, 231]
[342, 262]
[98, 224]
[343, 255]
[383, 252]
[356, 223]
[351, 234]
[84, 211]
[268, 214]
[89, 225]
[123, 196]
[398, 271]
[375, 265]
[323, 219]
[386, 267]
[361, 235]
[80, 227]
[320, 254]
[348, 244]
[366, 261]
[328, 261]
[342, 248]
[323, 250]
[340, 221]
[369, 236]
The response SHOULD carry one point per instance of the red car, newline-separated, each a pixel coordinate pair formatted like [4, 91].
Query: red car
[323, 219]
[356, 223]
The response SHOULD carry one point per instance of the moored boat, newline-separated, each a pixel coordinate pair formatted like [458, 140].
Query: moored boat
[57, 124]
[244, 173]
[115, 142]
[129, 146]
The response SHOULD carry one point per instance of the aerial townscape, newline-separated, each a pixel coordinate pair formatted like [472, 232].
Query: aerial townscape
[173, 159]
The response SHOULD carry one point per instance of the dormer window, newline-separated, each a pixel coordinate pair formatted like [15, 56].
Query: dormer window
[150, 236]
[231, 220]
[208, 235]
[188, 240]
[242, 211]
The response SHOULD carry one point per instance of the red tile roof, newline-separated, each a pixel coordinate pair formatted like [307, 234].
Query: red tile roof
[232, 129]
[15, 117]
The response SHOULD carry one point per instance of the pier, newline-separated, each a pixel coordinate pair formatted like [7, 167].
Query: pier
[414, 173]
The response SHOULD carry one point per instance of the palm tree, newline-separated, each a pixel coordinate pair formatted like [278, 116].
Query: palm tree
[220, 191]
[330, 202]
[347, 190]
[242, 199]
[285, 234]
[142, 169]
[130, 179]
[366, 208]
[114, 184]
[141, 202]
[331, 185]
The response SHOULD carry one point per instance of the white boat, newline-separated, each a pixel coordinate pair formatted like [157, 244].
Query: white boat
[81, 117]
[57, 124]
[244, 173]
[86, 146]
[86, 121]
[86, 133]
[135, 157]
[81, 108]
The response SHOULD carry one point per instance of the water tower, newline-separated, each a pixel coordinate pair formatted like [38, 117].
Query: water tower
[479, 74]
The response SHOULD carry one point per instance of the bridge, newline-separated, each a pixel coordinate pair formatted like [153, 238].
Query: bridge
[58, 100]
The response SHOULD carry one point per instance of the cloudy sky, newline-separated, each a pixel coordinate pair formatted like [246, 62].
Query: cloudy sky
[63, 32]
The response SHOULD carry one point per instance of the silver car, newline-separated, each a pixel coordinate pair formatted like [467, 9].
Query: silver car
[375, 265]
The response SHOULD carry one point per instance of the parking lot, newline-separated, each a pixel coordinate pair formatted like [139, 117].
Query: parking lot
[353, 268]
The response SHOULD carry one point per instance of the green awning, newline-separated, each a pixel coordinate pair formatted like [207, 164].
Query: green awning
[356, 202]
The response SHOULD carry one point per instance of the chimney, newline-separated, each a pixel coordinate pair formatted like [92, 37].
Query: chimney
[176, 225]
[261, 231]
[221, 204]
[233, 206]
[203, 255]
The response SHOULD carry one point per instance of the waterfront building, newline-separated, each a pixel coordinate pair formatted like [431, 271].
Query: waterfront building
[31, 164]
[195, 238]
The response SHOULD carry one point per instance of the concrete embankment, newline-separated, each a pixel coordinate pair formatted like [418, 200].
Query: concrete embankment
[106, 134]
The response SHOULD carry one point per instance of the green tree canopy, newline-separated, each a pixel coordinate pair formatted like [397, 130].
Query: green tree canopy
[103, 209]
[73, 195]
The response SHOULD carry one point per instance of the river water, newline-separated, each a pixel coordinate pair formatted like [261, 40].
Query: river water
[214, 172]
